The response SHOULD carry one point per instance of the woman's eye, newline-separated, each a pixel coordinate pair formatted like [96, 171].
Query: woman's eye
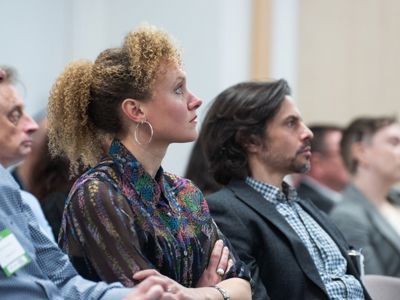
[179, 90]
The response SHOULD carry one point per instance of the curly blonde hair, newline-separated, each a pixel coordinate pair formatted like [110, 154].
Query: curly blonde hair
[147, 47]
[84, 103]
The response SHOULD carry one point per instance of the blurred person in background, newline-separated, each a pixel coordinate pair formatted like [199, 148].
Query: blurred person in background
[328, 176]
[44, 176]
[16, 145]
[368, 218]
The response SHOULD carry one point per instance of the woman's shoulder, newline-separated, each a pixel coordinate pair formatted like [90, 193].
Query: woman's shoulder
[185, 191]
[177, 182]
[103, 174]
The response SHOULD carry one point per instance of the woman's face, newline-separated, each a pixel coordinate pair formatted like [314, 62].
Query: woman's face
[382, 153]
[172, 108]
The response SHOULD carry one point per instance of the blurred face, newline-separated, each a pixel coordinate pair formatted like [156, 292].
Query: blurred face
[16, 127]
[286, 147]
[172, 108]
[332, 171]
[381, 154]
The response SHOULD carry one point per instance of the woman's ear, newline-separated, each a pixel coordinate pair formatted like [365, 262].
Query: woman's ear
[133, 110]
[359, 152]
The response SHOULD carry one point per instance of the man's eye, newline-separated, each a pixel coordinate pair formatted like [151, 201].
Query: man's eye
[15, 116]
[291, 123]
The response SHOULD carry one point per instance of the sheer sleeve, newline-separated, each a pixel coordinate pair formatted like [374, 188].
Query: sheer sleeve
[98, 224]
[239, 268]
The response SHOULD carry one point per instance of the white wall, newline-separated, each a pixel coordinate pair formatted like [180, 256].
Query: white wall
[33, 40]
[39, 37]
[284, 42]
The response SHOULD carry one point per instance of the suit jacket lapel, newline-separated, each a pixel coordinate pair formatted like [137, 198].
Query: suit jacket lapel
[386, 230]
[267, 210]
[377, 219]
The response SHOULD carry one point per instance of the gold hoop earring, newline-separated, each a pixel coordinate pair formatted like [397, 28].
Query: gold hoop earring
[136, 135]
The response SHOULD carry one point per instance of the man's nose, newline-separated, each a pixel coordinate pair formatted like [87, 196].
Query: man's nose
[30, 125]
[307, 133]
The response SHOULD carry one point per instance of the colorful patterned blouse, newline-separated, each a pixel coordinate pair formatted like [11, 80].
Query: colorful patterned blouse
[118, 220]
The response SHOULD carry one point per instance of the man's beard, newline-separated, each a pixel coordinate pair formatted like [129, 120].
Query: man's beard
[299, 167]
[286, 164]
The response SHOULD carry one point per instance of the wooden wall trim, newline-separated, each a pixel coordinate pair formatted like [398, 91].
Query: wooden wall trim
[261, 31]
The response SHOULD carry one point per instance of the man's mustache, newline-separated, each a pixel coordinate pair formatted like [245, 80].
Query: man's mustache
[305, 147]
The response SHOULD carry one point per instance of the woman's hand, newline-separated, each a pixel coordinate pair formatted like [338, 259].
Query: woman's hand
[172, 290]
[152, 288]
[217, 267]
[171, 287]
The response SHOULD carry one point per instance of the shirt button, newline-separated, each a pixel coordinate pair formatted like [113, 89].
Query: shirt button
[185, 253]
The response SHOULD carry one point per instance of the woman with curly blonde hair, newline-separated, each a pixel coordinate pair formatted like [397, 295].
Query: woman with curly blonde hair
[125, 215]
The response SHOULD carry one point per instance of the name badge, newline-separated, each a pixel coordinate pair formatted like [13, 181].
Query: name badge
[12, 255]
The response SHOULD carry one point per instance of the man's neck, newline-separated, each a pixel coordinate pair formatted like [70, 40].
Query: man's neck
[263, 172]
[271, 178]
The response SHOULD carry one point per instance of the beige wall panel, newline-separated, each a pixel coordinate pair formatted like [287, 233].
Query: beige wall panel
[261, 39]
[349, 59]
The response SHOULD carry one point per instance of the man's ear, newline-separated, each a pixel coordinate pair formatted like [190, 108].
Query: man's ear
[133, 110]
[250, 142]
[253, 144]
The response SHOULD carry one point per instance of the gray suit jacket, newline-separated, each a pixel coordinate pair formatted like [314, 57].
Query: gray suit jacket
[50, 275]
[281, 265]
[306, 191]
[364, 227]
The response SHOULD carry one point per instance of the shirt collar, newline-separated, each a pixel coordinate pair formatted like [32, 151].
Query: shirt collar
[272, 193]
[134, 174]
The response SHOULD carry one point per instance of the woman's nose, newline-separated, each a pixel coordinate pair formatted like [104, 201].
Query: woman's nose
[194, 102]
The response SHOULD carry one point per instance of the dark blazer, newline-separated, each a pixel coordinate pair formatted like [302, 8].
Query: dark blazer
[281, 265]
[306, 191]
[364, 227]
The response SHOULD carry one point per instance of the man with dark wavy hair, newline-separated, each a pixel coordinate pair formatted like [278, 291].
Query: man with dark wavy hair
[253, 136]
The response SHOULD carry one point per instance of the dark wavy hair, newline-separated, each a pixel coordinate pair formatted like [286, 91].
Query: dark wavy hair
[361, 130]
[198, 170]
[239, 115]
